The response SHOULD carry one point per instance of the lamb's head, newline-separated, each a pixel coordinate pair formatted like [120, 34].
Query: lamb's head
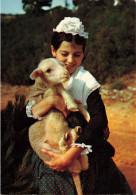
[51, 71]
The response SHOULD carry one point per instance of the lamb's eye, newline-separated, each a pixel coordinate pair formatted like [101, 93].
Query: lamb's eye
[48, 70]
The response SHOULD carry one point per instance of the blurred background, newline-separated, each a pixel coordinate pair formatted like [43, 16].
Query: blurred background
[26, 28]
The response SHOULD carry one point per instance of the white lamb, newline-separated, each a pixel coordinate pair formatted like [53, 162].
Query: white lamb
[53, 132]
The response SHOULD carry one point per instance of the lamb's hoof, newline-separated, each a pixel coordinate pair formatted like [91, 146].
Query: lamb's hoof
[87, 117]
[78, 130]
[73, 109]
[66, 137]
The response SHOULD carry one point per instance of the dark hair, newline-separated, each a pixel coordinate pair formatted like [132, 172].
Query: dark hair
[58, 38]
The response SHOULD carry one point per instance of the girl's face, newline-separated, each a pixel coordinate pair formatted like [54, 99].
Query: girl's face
[70, 54]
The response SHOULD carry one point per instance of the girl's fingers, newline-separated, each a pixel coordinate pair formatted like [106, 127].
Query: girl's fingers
[62, 170]
[78, 101]
[54, 167]
[50, 164]
[56, 162]
[65, 112]
[47, 163]
[50, 153]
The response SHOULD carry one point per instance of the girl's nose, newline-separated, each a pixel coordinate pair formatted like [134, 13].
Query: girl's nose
[70, 59]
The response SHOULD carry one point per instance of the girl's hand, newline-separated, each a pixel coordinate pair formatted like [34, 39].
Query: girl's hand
[61, 162]
[58, 162]
[78, 101]
[60, 105]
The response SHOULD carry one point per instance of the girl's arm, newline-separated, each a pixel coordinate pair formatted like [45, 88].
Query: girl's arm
[95, 129]
[47, 103]
[96, 132]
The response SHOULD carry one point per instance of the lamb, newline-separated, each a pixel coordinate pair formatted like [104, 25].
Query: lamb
[44, 134]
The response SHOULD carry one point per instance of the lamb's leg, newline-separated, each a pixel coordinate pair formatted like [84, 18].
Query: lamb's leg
[77, 182]
[71, 104]
[84, 112]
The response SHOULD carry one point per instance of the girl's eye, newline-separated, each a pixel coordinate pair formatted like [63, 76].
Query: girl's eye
[64, 54]
[77, 55]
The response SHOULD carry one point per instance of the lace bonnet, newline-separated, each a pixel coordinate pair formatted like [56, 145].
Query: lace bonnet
[71, 25]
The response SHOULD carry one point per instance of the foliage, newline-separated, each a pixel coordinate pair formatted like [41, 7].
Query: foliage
[110, 47]
[119, 85]
[35, 6]
[15, 150]
[23, 47]
[110, 51]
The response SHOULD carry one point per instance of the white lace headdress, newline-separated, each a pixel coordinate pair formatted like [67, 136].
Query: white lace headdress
[71, 25]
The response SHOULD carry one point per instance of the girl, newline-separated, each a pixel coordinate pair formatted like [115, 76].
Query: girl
[103, 177]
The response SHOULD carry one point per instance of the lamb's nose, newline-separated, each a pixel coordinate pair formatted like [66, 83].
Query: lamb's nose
[66, 73]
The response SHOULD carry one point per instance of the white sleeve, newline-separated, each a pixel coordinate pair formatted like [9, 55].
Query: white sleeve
[29, 110]
[87, 149]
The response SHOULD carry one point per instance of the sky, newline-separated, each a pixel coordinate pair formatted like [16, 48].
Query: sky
[15, 6]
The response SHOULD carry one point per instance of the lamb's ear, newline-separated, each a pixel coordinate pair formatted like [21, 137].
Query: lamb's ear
[36, 73]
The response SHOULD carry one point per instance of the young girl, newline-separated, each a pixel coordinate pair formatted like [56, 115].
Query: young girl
[102, 177]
